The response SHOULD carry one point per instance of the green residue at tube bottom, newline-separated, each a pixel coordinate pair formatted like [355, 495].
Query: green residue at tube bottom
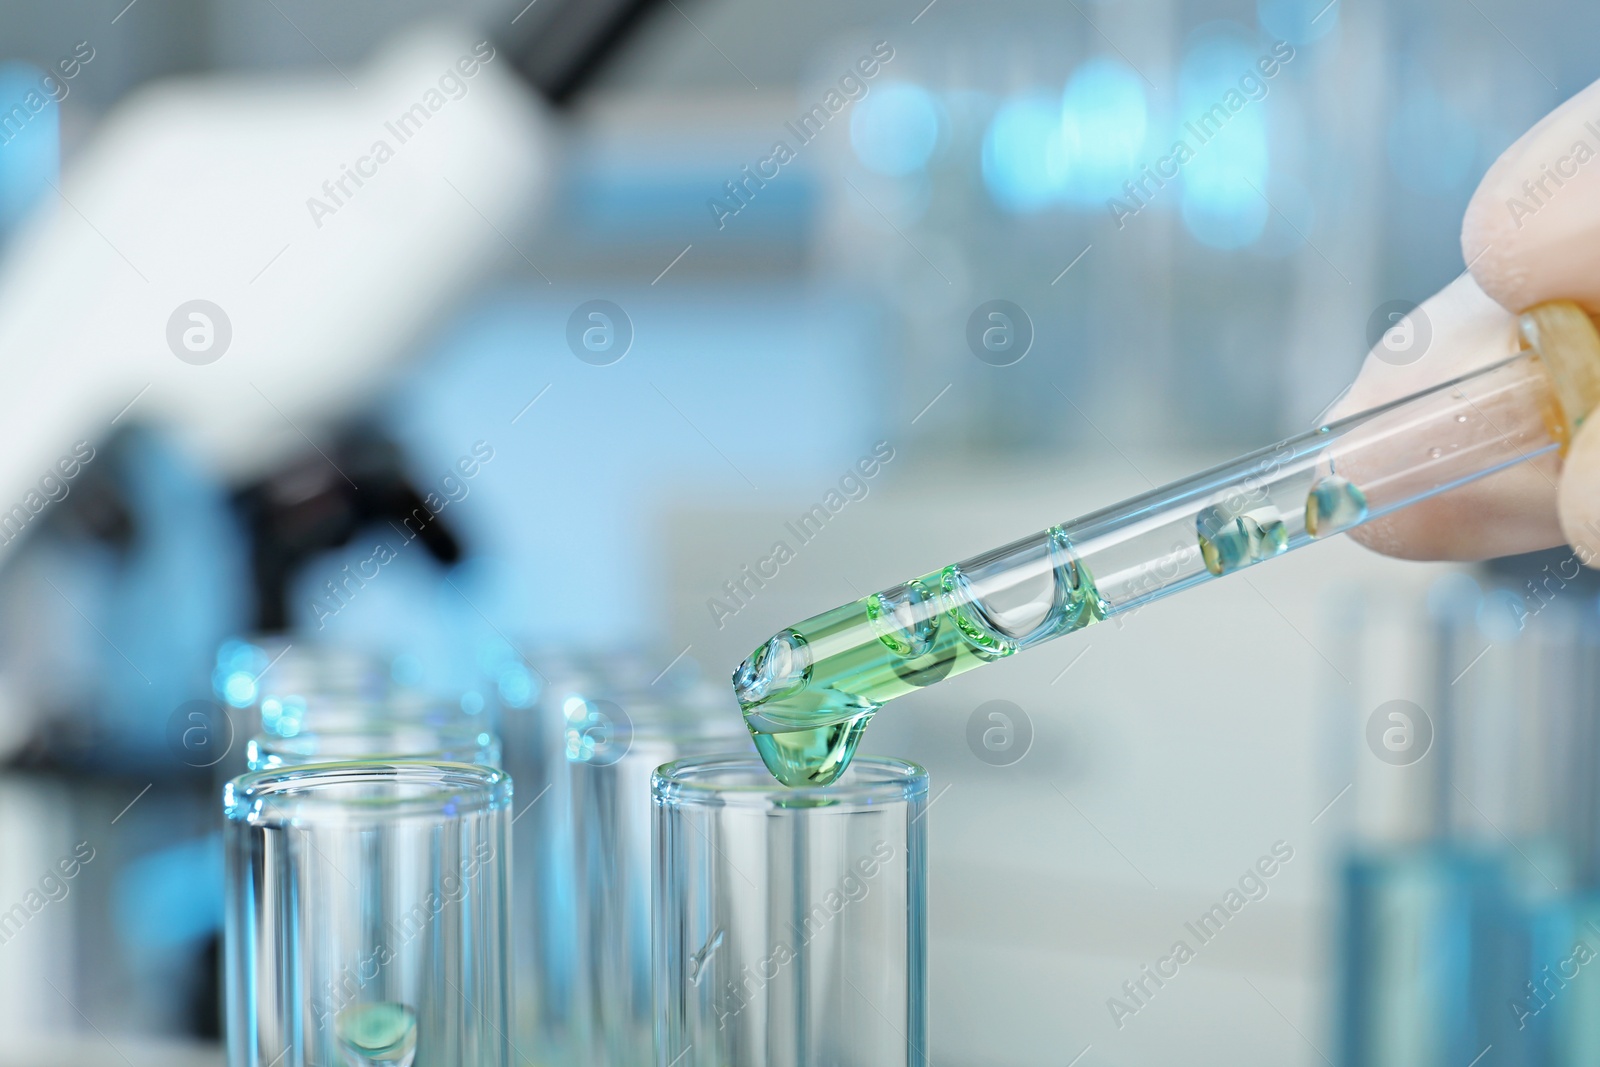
[380, 1034]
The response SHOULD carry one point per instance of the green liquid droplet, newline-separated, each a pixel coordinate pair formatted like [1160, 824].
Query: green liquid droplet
[809, 692]
[1334, 504]
[814, 756]
[382, 1034]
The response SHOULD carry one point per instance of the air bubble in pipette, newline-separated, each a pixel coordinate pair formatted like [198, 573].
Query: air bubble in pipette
[1230, 541]
[1334, 504]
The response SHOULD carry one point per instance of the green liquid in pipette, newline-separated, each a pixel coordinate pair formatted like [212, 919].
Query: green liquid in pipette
[809, 692]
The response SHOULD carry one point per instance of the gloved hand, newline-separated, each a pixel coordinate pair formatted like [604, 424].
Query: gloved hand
[1531, 234]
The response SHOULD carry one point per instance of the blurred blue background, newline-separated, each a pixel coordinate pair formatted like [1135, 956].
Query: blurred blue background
[781, 325]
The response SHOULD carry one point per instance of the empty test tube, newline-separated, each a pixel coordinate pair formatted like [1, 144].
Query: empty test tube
[789, 926]
[391, 729]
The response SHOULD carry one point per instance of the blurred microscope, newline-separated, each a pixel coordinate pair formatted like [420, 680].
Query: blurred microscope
[137, 560]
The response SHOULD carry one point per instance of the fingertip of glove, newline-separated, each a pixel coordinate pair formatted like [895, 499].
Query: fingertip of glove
[1578, 497]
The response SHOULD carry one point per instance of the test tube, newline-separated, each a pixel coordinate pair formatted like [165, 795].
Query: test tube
[367, 916]
[809, 691]
[280, 679]
[1476, 802]
[400, 725]
[544, 952]
[789, 924]
[613, 751]
[563, 726]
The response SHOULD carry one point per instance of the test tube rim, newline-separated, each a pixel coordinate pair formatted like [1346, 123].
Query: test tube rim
[292, 795]
[448, 739]
[344, 711]
[891, 781]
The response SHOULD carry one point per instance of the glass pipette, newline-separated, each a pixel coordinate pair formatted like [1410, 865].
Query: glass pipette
[809, 691]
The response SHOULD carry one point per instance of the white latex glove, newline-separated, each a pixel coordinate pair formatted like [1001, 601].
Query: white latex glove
[1523, 248]
[202, 189]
